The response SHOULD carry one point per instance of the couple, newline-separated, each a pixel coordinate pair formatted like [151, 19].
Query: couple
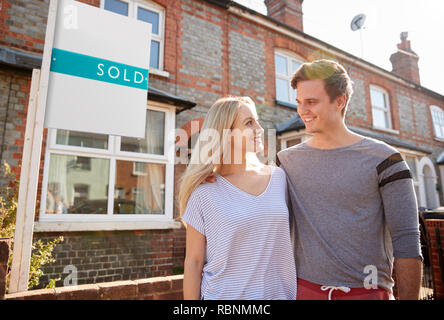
[333, 221]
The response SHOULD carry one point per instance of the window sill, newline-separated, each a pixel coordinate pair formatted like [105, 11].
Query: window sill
[385, 130]
[160, 73]
[286, 104]
[58, 226]
[439, 139]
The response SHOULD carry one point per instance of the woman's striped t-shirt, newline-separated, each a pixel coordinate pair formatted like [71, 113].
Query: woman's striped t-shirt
[249, 254]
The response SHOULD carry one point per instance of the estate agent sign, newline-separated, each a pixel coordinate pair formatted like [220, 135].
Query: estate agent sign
[98, 79]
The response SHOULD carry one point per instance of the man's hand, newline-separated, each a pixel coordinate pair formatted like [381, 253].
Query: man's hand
[211, 179]
[408, 277]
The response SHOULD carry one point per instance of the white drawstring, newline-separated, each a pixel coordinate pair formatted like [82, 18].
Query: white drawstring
[343, 289]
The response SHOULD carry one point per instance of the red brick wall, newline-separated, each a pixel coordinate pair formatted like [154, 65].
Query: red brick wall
[432, 225]
[15, 86]
[104, 256]
[286, 11]
[160, 288]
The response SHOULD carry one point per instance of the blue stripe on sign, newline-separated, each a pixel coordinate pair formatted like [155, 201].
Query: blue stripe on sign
[84, 66]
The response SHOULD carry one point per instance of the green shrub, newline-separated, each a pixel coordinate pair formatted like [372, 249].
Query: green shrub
[41, 251]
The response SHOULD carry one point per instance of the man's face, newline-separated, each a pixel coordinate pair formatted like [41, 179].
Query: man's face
[315, 108]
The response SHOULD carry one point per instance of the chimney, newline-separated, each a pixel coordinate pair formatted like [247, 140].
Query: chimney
[405, 61]
[288, 12]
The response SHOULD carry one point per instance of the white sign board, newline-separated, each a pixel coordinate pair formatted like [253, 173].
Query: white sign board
[98, 79]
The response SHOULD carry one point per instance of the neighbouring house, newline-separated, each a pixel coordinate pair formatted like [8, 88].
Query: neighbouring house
[114, 198]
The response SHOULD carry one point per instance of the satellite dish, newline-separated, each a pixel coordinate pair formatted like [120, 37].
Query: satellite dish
[357, 22]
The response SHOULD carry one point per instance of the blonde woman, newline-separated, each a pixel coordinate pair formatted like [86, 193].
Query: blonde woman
[238, 239]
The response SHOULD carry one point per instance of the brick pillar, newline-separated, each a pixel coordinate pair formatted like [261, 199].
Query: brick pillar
[437, 258]
[288, 12]
[4, 256]
[405, 61]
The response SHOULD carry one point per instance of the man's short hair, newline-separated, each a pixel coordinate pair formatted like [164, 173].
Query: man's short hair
[336, 80]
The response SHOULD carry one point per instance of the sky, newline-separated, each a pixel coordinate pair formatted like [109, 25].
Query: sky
[329, 21]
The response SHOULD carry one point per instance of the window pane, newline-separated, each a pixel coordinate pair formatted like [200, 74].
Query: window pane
[439, 131]
[281, 64]
[294, 66]
[293, 95]
[82, 139]
[282, 90]
[72, 188]
[154, 136]
[139, 194]
[377, 98]
[154, 54]
[379, 118]
[150, 17]
[117, 6]
[438, 121]
[441, 123]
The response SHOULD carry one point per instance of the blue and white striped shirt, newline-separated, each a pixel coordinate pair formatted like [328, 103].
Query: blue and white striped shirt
[249, 255]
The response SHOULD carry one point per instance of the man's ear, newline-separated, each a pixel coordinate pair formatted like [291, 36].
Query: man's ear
[340, 102]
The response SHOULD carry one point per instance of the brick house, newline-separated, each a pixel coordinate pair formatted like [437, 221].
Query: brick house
[113, 198]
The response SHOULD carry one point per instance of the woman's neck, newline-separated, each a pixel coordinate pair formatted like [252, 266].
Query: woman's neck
[250, 162]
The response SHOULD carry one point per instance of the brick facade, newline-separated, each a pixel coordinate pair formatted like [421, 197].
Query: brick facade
[14, 88]
[210, 51]
[405, 61]
[23, 24]
[110, 256]
[287, 11]
[436, 251]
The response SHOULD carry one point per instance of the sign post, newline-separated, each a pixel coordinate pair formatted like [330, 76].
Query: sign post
[29, 173]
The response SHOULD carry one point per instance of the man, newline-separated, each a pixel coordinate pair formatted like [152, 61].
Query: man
[354, 206]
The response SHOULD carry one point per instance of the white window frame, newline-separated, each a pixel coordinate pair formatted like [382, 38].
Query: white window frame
[290, 58]
[426, 161]
[386, 110]
[149, 5]
[438, 120]
[416, 157]
[287, 136]
[421, 159]
[113, 154]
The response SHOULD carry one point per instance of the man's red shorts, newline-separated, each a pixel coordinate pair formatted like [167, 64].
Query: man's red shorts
[312, 291]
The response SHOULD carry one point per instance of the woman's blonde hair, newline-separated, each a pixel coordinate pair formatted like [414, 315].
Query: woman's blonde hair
[218, 121]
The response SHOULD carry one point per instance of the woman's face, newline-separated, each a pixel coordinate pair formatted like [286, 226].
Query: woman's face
[247, 133]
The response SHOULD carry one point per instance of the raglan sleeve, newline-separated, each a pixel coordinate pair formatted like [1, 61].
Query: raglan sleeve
[400, 206]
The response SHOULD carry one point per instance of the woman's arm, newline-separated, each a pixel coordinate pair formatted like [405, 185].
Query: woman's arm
[194, 260]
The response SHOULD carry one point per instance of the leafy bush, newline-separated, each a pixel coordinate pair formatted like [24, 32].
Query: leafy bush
[41, 251]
